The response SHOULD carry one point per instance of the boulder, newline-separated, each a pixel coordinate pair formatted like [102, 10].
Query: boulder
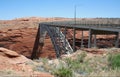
[11, 57]
[8, 53]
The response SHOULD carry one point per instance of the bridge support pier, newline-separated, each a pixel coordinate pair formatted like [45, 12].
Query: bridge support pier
[36, 45]
[82, 39]
[59, 40]
[117, 40]
[95, 41]
[90, 38]
[74, 39]
[65, 31]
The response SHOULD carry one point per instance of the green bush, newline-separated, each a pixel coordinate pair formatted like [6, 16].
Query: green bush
[75, 64]
[78, 65]
[81, 56]
[114, 61]
[63, 72]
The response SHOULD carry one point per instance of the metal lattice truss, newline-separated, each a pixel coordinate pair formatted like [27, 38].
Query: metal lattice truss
[59, 41]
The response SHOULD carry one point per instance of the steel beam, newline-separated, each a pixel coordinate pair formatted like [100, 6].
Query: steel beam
[117, 40]
[90, 38]
[74, 39]
[65, 31]
[36, 44]
[59, 36]
[95, 41]
[82, 38]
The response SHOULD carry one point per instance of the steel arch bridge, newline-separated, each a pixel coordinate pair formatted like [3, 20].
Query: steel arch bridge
[59, 40]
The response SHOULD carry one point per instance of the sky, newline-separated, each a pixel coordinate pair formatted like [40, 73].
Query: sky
[11, 9]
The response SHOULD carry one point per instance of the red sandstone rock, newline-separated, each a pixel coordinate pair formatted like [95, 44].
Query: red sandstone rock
[8, 53]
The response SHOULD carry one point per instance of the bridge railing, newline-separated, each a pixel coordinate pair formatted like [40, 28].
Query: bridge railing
[86, 25]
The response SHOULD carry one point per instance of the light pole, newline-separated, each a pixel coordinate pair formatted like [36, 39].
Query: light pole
[74, 29]
[75, 13]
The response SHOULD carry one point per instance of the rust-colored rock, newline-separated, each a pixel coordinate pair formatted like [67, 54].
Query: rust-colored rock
[11, 57]
[8, 53]
[10, 60]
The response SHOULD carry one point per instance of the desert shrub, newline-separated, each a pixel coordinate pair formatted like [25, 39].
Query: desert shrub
[43, 66]
[69, 62]
[44, 60]
[81, 57]
[78, 65]
[63, 72]
[114, 61]
[74, 64]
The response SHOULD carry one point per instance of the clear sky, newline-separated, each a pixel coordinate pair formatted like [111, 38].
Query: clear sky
[10, 9]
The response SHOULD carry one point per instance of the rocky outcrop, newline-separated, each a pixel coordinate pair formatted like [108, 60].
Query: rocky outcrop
[11, 57]
[18, 65]
[8, 53]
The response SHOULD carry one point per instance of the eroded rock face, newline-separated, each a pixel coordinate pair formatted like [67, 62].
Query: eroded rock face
[18, 65]
[22, 41]
[10, 56]
[19, 40]
[19, 35]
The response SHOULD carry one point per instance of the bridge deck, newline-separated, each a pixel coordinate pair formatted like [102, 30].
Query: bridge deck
[86, 26]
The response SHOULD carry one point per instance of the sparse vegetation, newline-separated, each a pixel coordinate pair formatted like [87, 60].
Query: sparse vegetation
[63, 72]
[7, 72]
[81, 65]
[114, 61]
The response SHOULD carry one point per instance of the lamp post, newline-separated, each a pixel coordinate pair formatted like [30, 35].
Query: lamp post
[75, 14]
[74, 29]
